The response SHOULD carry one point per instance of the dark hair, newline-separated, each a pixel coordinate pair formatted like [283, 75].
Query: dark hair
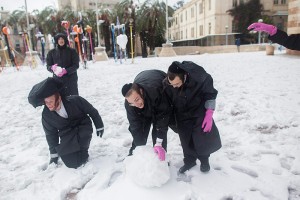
[172, 76]
[134, 87]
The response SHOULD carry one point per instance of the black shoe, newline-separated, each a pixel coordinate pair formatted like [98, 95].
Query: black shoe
[204, 167]
[186, 167]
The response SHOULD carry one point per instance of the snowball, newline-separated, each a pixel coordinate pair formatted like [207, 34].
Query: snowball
[122, 41]
[58, 69]
[145, 169]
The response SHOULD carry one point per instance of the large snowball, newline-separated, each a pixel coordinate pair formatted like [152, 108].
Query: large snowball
[145, 169]
[122, 41]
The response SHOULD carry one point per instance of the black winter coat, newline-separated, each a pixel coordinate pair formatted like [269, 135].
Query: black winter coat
[66, 58]
[189, 108]
[156, 106]
[74, 132]
[289, 41]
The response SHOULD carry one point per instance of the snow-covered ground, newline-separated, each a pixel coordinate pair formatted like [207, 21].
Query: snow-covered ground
[258, 116]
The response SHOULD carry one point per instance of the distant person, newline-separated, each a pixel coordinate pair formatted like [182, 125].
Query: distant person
[66, 122]
[193, 97]
[63, 62]
[146, 105]
[238, 43]
[278, 36]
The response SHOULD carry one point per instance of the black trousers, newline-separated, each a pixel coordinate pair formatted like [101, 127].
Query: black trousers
[76, 159]
[141, 139]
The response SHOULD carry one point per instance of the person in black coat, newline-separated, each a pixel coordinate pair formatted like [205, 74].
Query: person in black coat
[146, 104]
[191, 91]
[63, 62]
[278, 36]
[66, 122]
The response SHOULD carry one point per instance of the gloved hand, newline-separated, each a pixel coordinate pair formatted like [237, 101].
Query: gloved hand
[53, 160]
[53, 67]
[208, 120]
[100, 131]
[159, 150]
[259, 26]
[60, 71]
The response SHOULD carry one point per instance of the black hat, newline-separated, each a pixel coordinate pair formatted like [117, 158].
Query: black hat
[61, 35]
[175, 68]
[126, 88]
[42, 90]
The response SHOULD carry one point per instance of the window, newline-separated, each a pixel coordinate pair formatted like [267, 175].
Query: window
[181, 18]
[234, 3]
[185, 33]
[209, 28]
[201, 30]
[192, 32]
[192, 12]
[234, 27]
[275, 1]
[176, 20]
[185, 15]
[209, 4]
[283, 1]
[200, 8]
[181, 35]
[242, 2]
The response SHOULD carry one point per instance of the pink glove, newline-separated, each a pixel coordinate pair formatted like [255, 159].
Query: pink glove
[258, 26]
[208, 120]
[60, 71]
[159, 150]
[53, 67]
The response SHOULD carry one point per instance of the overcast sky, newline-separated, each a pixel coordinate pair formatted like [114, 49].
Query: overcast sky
[11, 5]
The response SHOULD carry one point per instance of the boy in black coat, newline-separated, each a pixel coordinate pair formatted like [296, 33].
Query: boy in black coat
[192, 94]
[63, 62]
[146, 104]
[66, 122]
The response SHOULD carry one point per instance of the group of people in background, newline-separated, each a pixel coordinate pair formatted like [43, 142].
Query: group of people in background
[183, 99]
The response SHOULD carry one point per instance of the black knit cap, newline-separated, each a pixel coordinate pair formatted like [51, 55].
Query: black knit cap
[175, 68]
[61, 35]
[126, 88]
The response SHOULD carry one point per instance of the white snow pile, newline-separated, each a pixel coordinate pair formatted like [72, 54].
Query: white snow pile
[145, 169]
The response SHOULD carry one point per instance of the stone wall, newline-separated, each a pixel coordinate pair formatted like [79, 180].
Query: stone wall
[190, 50]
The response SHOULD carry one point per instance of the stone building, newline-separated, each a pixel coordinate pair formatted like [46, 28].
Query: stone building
[206, 22]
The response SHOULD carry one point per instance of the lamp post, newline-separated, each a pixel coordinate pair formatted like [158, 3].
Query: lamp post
[98, 23]
[131, 39]
[259, 32]
[226, 36]
[167, 24]
[28, 28]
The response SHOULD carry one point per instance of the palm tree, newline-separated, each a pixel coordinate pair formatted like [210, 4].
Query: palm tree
[151, 23]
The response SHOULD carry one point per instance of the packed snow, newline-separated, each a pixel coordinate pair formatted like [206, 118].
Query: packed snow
[258, 116]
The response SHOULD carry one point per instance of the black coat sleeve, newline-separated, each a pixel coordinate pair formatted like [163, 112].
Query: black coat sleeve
[289, 41]
[209, 93]
[162, 112]
[136, 124]
[75, 62]
[51, 135]
[89, 109]
[49, 60]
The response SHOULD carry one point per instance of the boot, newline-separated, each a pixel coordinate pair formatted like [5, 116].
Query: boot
[186, 167]
[204, 167]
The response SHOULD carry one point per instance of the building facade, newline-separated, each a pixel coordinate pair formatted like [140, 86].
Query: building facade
[78, 5]
[207, 23]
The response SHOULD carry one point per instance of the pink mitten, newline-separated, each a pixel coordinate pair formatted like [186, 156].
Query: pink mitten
[60, 72]
[258, 26]
[159, 150]
[53, 67]
[208, 120]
